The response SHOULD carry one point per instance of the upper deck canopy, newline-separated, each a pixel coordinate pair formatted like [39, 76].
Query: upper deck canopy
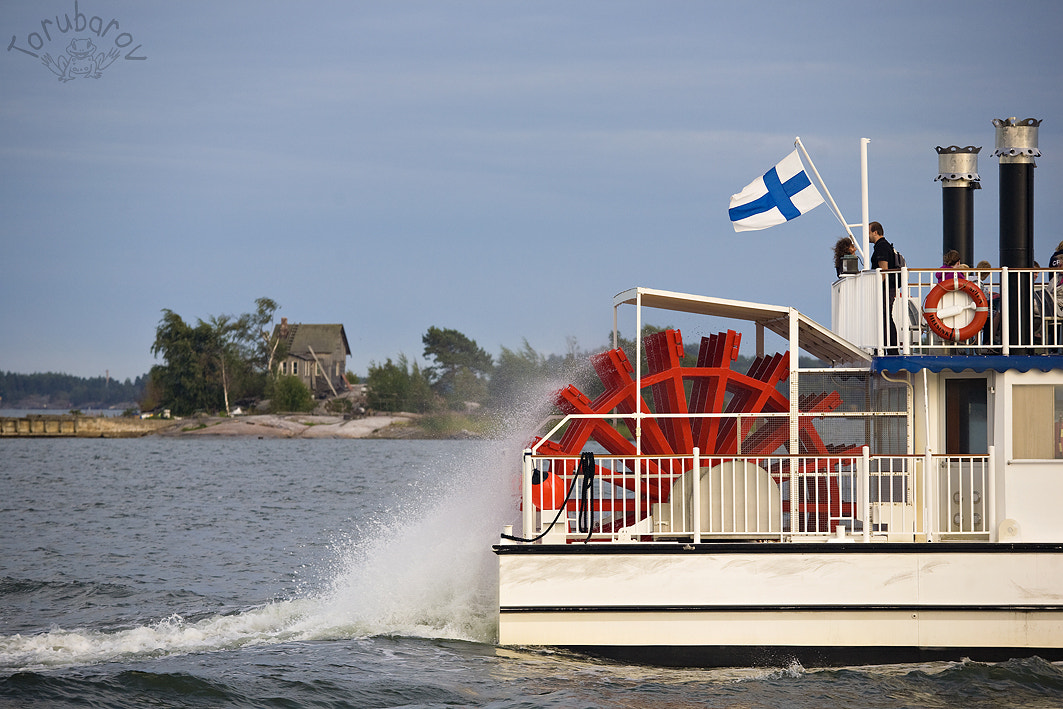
[813, 338]
[956, 363]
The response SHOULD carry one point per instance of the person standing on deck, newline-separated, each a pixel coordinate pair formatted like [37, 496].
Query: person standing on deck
[885, 258]
[842, 248]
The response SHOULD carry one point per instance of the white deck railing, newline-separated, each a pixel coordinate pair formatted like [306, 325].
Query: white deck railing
[1024, 313]
[966, 503]
[771, 498]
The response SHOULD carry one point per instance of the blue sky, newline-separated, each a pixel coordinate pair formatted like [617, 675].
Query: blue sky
[500, 168]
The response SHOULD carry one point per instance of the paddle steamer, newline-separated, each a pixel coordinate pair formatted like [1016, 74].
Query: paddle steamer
[864, 503]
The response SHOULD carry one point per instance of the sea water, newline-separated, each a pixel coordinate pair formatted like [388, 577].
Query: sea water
[211, 572]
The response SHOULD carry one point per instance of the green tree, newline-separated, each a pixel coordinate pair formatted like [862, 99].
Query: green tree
[186, 383]
[256, 336]
[387, 385]
[208, 366]
[398, 386]
[516, 373]
[290, 394]
[461, 367]
[224, 353]
[420, 397]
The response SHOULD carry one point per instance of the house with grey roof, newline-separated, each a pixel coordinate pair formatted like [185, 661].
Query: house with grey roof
[317, 354]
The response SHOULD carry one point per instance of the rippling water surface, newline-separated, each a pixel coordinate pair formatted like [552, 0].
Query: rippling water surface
[332, 573]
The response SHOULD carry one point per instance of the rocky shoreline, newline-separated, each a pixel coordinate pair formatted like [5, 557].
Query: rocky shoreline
[298, 426]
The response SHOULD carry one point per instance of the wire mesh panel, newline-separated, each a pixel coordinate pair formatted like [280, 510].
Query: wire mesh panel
[850, 409]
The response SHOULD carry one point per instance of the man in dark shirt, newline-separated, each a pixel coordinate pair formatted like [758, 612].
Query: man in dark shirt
[884, 257]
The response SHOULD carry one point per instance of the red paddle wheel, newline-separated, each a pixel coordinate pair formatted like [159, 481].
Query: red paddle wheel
[713, 388]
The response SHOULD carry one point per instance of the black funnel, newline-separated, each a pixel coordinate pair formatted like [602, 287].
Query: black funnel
[1016, 147]
[958, 172]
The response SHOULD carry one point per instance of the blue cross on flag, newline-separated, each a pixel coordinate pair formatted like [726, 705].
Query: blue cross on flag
[782, 194]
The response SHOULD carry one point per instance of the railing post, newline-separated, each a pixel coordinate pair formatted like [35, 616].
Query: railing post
[928, 495]
[695, 505]
[902, 295]
[879, 297]
[991, 496]
[794, 499]
[638, 403]
[528, 509]
[1005, 316]
[794, 412]
[865, 479]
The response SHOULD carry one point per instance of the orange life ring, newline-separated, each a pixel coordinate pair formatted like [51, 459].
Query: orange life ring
[933, 317]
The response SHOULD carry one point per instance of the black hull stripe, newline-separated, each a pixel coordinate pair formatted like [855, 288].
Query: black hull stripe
[780, 548]
[809, 655]
[1025, 608]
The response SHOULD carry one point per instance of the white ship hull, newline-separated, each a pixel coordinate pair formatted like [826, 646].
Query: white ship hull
[818, 603]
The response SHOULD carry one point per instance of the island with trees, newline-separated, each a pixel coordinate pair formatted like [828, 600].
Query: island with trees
[213, 370]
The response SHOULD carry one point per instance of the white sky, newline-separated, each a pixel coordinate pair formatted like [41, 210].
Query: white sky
[500, 168]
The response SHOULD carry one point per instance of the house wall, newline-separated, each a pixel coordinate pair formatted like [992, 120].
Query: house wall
[332, 365]
[1032, 487]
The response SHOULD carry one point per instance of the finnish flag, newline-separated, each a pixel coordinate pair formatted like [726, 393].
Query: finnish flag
[782, 194]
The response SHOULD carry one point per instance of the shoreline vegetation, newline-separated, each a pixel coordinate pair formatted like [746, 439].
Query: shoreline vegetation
[400, 425]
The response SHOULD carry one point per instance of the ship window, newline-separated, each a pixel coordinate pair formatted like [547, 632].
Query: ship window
[1037, 421]
[966, 421]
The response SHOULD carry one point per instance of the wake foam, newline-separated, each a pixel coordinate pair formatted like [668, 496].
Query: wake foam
[173, 635]
[423, 568]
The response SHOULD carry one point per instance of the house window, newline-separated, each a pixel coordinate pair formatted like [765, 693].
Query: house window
[1037, 421]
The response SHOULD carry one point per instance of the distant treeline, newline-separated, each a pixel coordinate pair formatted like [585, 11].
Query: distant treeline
[65, 391]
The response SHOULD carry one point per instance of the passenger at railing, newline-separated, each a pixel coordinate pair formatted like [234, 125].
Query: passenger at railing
[884, 257]
[985, 279]
[950, 267]
[1056, 263]
[985, 282]
[842, 248]
[1056, 279]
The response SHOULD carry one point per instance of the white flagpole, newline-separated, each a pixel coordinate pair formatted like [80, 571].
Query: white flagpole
[864, 209]
[862, 245]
